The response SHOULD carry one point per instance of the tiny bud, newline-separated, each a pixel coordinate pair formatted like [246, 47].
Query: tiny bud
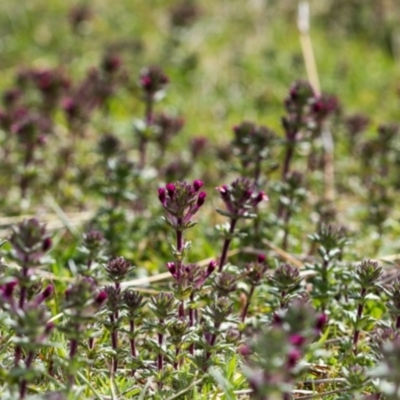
[171, 189]
[145, 81]
[244, 350]
[248, 193]
[261, 197]
[201, 198]
[171, 267]
[197, 184]
[321, 322]
[8, 289]
[232, 335]
[296, 340]
[46, 244]
[261, 258]
[276, 319]
[293, 357]
[161, 195]
[49, 327]
[111, 63]
[101, 297]
[223, 191]
[48, 292]
[41, 140]
[211, 267]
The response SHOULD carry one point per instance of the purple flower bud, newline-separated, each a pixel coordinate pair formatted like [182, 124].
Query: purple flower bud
[111, 63]
[261, 258]
[276, 319]
[293, 357]
[197, 184]
[201, 199]
[101, 297]
[211, 267]
[41, 140]
[244, 350]
[145, 82]
[321, 322]
[46, 244]
[261, 197]
[48, 292]
[70, 107]
[171, 268]
[247, 194]
[152, 80]
[224, 191]
[162, 195]
[296, 340]
[8, 289]
[170, 189]
[49, 327]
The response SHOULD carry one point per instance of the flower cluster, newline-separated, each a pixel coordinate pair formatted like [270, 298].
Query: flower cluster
[253, 144]
[30, 240]
[152, 81]
[191, 275]
[251, 139]
[117, 269]
[272, 358]
[181, 202]
[323, 107]
[240, 198]
[166, 127]
[93, 92]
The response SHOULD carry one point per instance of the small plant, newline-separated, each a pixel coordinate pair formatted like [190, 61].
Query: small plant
[240, 199]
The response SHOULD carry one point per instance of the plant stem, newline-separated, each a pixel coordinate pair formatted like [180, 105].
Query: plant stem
[246, 307]
[287, 216]
[286, 166]
[325, 283]
[143, 139]
[22, 298]
[283, 303]
[288, 158]
[23, 385]
[24, 182]
[227, 243]
[179, 248]
[360, 309]
[72, 351]
[257, 172]
[114, 341]
[132, 339]
[160, 357]
[177, 351]
[212, 343]
[181, 311]
[191, 321]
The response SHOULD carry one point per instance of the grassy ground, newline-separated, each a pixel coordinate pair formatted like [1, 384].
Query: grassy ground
[235, 61]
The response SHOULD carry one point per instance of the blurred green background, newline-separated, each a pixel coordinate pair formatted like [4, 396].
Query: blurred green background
[230, 60]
